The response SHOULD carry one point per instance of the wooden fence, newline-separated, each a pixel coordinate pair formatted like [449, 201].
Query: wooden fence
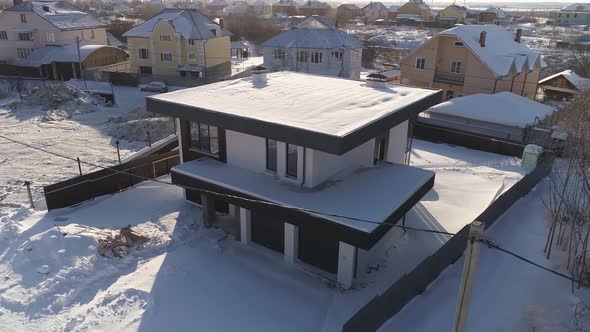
[108, 181]
[386, 305]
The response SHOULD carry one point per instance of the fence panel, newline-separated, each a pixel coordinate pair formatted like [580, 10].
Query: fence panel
[382, 307]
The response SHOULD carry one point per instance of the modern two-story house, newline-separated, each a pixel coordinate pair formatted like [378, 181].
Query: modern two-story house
[180, 43]
[471, 59]
[314, 46]
[311, 167]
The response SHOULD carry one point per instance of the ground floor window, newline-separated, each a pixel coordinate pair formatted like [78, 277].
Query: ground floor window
[204, 138]
[23, 53]
[292, 160]
[381, 147]
[271, 155]
[145, 70]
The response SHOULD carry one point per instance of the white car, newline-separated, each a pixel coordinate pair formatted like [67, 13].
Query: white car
[155, 87]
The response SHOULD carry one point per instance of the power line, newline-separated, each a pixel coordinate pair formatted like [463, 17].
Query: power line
[486, 241]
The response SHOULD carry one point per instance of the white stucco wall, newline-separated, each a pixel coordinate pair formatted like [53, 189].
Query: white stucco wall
[366, 258]
[398, 142]
[246, 151]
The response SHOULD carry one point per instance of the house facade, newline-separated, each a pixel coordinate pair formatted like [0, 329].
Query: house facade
[473, 59]
[563, 86]
[30, 25]
[180, 43]
[415, 9]
[348, 11]
[314, 46]
[310, 8]
[453, 14]
[493, 16]
[375, 11]
[284, 8]
[574, 14]
[254, 149]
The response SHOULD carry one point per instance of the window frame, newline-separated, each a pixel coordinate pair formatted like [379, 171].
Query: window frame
[302, 56]
[276, 155]
[191, 42]
[50, 36]
[23, 18]
[147, 53]
[192, 58]
[279, 54]
[287, 173]
[458, 43]
[456, 64]
[420, 63]
[29, 36]
[23, 52]
[338, 55]
[165, 37]
[200, 148]
[316, 57]
[3, 35]
[165, 55]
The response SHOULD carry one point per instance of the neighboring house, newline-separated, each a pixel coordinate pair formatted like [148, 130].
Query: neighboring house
[237, 8]
[574, 14]
[471, 59]
[284, 8]
[348, 11]
[262, 8]
[416, 10]
[180, 43]
[310, 8]
[314, 46]
[453, 14]
[563, 85]
[375, 11]
[285, 149]
[493, 16]
[29, 25]
[504, 116]
[215, 7]
[392, 13]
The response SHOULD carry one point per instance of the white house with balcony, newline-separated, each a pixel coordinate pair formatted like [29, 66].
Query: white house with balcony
[314, 46]
[298, 161]
[29, 25]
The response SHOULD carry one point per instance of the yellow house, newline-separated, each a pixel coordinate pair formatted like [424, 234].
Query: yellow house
[453, 14]
[471, 59]
[180, 43]
[414, 9]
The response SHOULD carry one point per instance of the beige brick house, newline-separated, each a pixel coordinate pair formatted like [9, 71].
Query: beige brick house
[473, 59]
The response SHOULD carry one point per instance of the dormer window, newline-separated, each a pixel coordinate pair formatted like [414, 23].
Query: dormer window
[459, 44]
[164, 37]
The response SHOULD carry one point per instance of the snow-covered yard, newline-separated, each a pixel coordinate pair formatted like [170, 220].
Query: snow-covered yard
[188, 276]
[240, 65]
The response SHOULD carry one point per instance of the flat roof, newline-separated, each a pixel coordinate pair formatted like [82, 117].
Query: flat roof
[325, 113]
[370, 193]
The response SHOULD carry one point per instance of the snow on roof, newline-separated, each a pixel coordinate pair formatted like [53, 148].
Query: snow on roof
[499, 12]
[285, 3]
[62, 15]
[501, 53]
[581, 83]
[323, 104]
[315, 4]
[393, 9]
[189, 23]
[113, 41]
[385, 187]
[503, 108]
[218, 3]
[65, 53]
[578, 7]
[314, 32]
[350, 6]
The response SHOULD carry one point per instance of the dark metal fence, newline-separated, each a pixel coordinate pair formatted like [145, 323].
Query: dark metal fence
[386, 305]
[108, 181]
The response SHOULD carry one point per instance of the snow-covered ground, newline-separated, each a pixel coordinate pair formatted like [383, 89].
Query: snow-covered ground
[508, 294]
[190, 277]
[240, 65]
[399, 37]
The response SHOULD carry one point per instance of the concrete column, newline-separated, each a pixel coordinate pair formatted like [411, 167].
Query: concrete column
[208, 208]
[346, 264]
[291, 243]
[179, 135]
[245, 226]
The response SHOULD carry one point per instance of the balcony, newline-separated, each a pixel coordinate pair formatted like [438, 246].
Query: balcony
[457, 79]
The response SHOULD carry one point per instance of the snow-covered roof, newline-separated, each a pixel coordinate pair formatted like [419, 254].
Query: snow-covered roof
[498, 11]
[314, 32]
[502, 55]
[218, 3]
[581, 83]
[66, 53]
[350, 6]
[62, 15]
[504, 108]
[315, 4]
[113, 41]
[385, 187]
[285, 3]
[236, 7]
[578, 7]
[189, 23]
[322, 104]
[374, 6]
[393, 9]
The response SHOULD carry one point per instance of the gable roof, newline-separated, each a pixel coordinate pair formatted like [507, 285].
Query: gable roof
[499, 12]
[189, 23]
[350, 6]
[314, 32]
[581, 83]
[575, 6]
[502, 55]
[375, 6]
[393, 9]
[62, 15]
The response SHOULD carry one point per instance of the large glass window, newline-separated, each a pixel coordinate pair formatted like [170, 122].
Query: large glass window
[420, 62]
[271, 155]
[292, 160]
[204, 138]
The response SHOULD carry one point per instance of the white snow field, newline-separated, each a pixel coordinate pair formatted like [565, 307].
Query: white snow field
[192, 278]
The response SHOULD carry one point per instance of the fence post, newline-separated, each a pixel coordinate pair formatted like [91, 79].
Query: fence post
[149, 137]
[28, 185]
[79, 166]
[118, 152]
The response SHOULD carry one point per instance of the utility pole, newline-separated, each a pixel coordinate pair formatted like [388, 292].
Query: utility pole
[80, 62]
[28, 185]
[468, 278]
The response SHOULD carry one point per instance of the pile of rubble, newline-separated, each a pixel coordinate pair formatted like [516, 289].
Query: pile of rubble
[119, 244]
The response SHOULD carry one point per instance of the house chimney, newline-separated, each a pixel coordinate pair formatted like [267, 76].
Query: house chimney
[518, 35]
[377, 81]
[259, 77]
[482, 39]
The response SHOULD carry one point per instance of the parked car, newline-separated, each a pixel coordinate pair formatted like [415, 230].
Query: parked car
[155, 87]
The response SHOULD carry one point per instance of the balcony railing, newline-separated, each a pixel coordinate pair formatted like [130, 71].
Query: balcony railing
[457, 79]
